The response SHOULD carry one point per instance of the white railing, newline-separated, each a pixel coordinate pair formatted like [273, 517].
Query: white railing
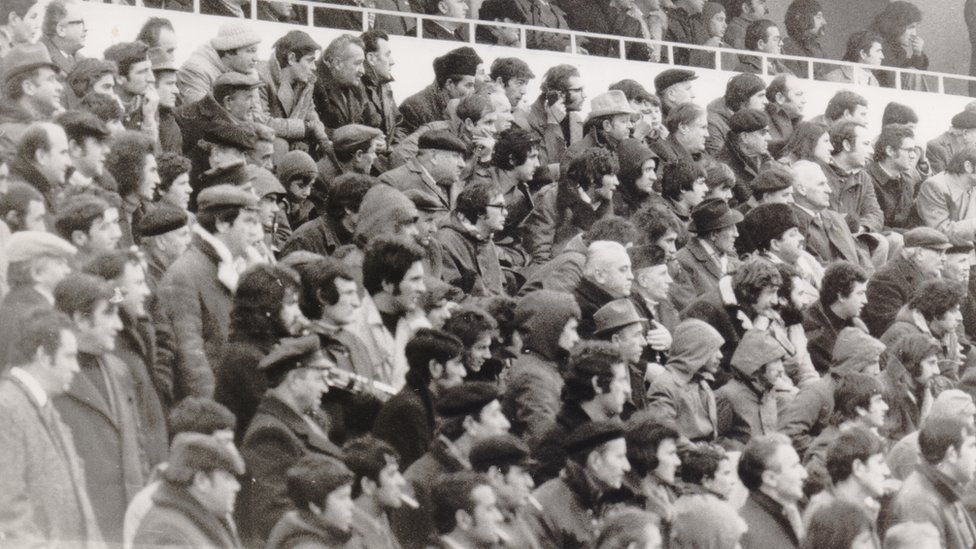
[309, 7]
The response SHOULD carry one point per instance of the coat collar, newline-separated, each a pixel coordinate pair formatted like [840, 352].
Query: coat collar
[774, 510]
[945, 486]
[177, 499]
[274, 407]
[708, 260]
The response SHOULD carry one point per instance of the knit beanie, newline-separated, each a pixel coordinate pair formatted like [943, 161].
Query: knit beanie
[756, 349]
[706, 522]
[952, 403]
[854, 351]
[541, 316]
[234, 35]
[382, 211]
[296, 164]
[632, 154]
[740, 88]
[912, 349]
[693, 343]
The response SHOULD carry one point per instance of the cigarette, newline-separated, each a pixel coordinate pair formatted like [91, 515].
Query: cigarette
[534, 502]
[503, 537]
[409, 501]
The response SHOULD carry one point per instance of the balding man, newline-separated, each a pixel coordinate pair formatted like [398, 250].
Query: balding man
[42, 160]
[606, 276]
[826, 233]
[340, 98]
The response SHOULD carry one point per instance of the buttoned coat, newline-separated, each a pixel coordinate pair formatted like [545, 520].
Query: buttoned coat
[853, 196]
[926, 496]
[196, 77]
[946, 202]
[470, 261]
[423, 107]
[768, 526]
[744, 412]
[697, 274]
[683, 397]
[285, 105]
[135, 346]
[177, 519]
[840, 243]
[410, 176]
[43, 495]
[888, 290]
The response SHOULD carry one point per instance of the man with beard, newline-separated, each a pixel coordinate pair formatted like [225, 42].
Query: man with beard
[805, 26]
[87, 146]
[32, 93]
[785, 323]
[99, 407]
[554, 117]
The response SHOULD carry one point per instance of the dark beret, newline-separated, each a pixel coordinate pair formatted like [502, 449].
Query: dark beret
[226, 195]
[353, 137]
[161, 220]
[771, 180]
[292, 353]
[441, 140]
[591, 435]
[767, 222]
[964, 248]
[501, 451]
[232, 174]
[466, 399]
[671, 77]
[966, 120]
[748, 120]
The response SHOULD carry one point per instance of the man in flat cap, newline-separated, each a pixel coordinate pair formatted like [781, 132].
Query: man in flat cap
[100, 405]
[164, 73]
[454, 78]
[37, 261]
[956, 218]
[746, 149]
[42, 160]
[87, 146]
[234, 49]
[44, 496]
[674, 87]
[506, 461]
[892, 285]
[355, 148]
[773, 184]
[282, 431]
[436, 169]
[960, 135]
[286, 98]
[164, 236]
[194, 502]
[196, 291]
[468, 413]
[619, 323]
[32, 92]
[136, 86]
[597, 464]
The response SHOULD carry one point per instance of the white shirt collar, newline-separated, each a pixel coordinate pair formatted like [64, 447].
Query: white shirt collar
[33, 386]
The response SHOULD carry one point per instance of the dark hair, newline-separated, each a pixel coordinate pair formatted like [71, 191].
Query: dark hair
[512, 148]
[126, 160]
[17, 199]
[371, 39]
[678, 176]
[804, 140]
[209, 218]
[589, 359]
[682, 115]
[312, 479]
[292, 42]
[13, 88]
[653, 221]
[35, 138]
[587, 169]
[778, 85]
[318, 284]
[841, 132]
[41, 329]
[757, 457]
[957, 164]
[700, 462]
[838, 281]
[499, 10]
[86, 72]
[79, 214]
[911, 349]
[170, 165]
[858, 42]
[837, 524]
[260, 295]
[127, 54]
[426, 345]
[756, 31]
[474, 199]
[149, 33]
[53, 15]
[895, 18]
[105, 107]
[200, 415]
[15, 7]
[111, 265]
[470, 323]
[854, 391]
[474, 107]
[752, 277]
[898, 113]
[841, 102]
[799, 17]
[452, 493]
[556, 79]
[934, 298]
[892, 136]
[347, 155]
[938, 434]
[366, 457]
[80, 293]
[613, 228]
[347, 192]
[509, 68]
[857, 444]
[643, 437]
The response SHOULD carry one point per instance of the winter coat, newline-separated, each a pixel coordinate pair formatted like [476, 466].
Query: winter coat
[552, 141]
[135, 346]
[946, 202]
[928, 495]
[909, 321]
[381, 111]
[337, 104]
[198, 306]
[302, 530]
[548, 449]
[896, 195]
[43, 495]
[682, 393]
[414, 527]
[170, 135]
[590, 297]
[768, 526]
[534, 382]
[745, 411]
[27, 172]
[320, 236]
[570, 510]
[745, 168]
[558, 216]
[940, 150]
[697, 273]
[835, 242]
[275, 440]
[177, 519]
[781, 126]
[406, 421]
[889, 288]
[423, 107]
[195, 119]
[106, 433]
[562, 273]
[238, 384]
[853, 196]
[895, 56]
[822, 327]
[16, 308]
[718, 125]
[904, 399]
[64, 62]
[470, 260]
[387, 350]
[719, 309]
[286, 105]
[602, 17]
[806, 46]
[14, 120]
[196, 77]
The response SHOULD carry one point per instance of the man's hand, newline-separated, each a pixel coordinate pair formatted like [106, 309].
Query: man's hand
[658, 337]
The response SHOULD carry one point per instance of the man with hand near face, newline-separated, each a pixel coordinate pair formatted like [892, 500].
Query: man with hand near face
[136, 86]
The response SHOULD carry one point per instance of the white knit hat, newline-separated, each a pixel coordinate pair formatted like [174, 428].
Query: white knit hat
[234, 35]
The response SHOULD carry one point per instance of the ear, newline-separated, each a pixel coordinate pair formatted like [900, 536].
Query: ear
[388, 286]
[462, 519]
[442, 7]
[769, 478]
[607, 125]
[595, 382]
[968, 166]
[848, 146]
[436, 369]
[780, 98]
[79, 238]
[222, 227]
[367, 486]
[292, 58]
[469, 425]
[12, 218]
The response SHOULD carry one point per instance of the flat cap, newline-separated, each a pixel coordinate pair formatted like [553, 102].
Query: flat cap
[756, 349]
[230, 135]
[233, 35]
[296, 164]
[926, 237]
[425, 202]
[292, 353]
[614, 315]
[748, 120]
[161, 60]
[226, 195]
[441, 140]
[460, 61]
[24, 245]
[161, 220]
[354, 136]
[772, 179]
[235, 174]
[591, 435]
[670, 77]
[964, 248]
[501, 451]
[82, 124]
[966, 120]
[264, 182]
[26, 57]
[193, 453]
[466, 399]
[235, 80]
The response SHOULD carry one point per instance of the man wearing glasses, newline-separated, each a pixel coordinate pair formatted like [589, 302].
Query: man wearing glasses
[894, 175]
[64, 33]
[470, 257]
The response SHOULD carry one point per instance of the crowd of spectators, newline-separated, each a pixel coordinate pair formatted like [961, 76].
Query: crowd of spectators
[255, 302]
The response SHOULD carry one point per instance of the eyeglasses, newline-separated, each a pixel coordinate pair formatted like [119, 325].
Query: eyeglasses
[77, 22]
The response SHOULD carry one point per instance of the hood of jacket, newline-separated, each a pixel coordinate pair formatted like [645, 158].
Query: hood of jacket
[692, 344]
[854, 351]
[382, 211]
[541, 317]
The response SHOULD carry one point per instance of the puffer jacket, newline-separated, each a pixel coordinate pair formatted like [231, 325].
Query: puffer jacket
[470, 260]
